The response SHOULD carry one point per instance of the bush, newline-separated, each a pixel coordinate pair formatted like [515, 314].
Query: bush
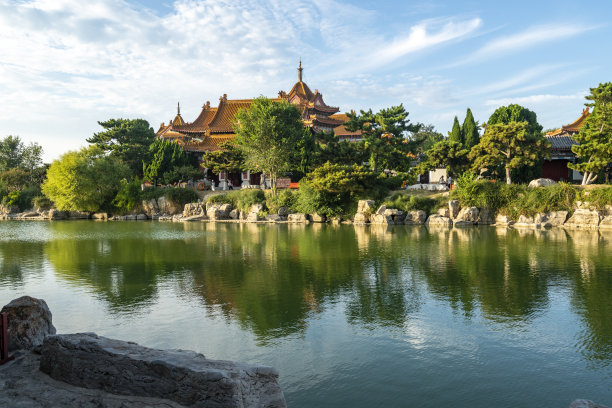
[42, 203]
[181, 196]
[246, 198]
[129, 196]
[22, 199]
[599, 197]
[408, 202]
[285, 198]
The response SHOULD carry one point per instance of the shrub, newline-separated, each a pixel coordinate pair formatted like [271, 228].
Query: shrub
[285, 198]
[42, 203]
[22, 199]
[129, 196]
[599, 197]
[181, 196]
[408, 202]
[246, 198]
[151, 193]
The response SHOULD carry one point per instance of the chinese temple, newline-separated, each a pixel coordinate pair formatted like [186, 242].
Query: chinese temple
[214, 125]
[561, 154]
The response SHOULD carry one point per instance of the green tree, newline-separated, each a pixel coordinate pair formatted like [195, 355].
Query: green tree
[228, 158]
[456, 135]
[509, 146]
[166, 156]
[15, 154]
[594, 148]
[428, 136]
[269, 135]
[386, 136]
[446, 153]
[84, 180]
[126, 139]
[469, 130]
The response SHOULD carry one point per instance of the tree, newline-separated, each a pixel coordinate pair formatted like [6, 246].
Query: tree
[446, 153]
[509, 146]
[15, 154]
[428, 136]
[455, 135]
[126, 139]
[386, 136]
[229, 159]
[84, 180]
[594, 148]
[166, 155]
[469, 130]
[269, 135]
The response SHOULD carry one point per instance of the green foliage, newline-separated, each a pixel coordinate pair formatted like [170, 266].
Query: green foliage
[229, 158]
[446, 153]
[21, 198]
[181, 196]
[428, 137]
[15, 179]
[240, 199]
[599, 197]
[409, 202]
[15, 154]
[84, 180]
[516, 113]
[286, 198]
[270, 135]
[334, 189]
[167, 156]
[127, 140]
[594, 148]
[509, 146]
[151, 193]
[345, 152]
[42, 203]
[386, 136]
[469, 131]
[181, 173]
[221, 199]
[456, 135]
[128, 197]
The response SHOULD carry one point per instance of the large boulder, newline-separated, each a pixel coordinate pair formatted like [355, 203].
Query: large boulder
[417, 217]
[318, 218]
[168, 207]
[502, 219]
[606, 222]
[486, 216]
[256, 208]
[398, 216]
[253, 216]
[541, 182]
[381, 219]
[381, 210]
[193, 209]
[361, 218]
[468, 215]
[551, 219]
[283, 211]
[298, 218]
[55, 214]
[439, 221]
[444, 212]
[29, 322]
[584, 218]
[185, 377]
[365, 206]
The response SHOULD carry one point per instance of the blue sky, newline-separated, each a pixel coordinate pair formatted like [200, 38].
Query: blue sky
[66, 64]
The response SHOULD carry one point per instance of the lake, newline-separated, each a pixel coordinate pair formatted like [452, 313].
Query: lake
[350, 316]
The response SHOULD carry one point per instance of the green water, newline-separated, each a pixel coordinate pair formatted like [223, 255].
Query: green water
[352, 317]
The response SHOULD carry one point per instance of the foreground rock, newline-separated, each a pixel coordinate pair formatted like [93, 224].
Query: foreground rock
[541, 182]
[29, 322]
[188, 378]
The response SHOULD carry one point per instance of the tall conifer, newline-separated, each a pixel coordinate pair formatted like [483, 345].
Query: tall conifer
[456, 135]
[470, 130]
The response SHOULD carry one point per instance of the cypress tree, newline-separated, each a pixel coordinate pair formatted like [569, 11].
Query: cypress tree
[470, 130]
[456, 135]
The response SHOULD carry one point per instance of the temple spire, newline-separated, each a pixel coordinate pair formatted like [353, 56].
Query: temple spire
[178, 108]
[300, 69]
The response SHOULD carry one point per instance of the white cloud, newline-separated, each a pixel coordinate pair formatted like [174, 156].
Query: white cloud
[535, 99]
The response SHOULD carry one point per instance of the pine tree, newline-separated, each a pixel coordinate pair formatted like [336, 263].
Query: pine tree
[594, 148]
[456, 135]
[469, 130]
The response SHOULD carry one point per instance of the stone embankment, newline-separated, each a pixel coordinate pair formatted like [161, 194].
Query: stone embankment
[87, 370]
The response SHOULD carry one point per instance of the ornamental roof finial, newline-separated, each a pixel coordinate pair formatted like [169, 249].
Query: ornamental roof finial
[300, 69]
[178, 108]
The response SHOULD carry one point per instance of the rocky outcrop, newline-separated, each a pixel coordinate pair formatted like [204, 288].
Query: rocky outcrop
[486, 217]
[417, 217]
[283, 211]
[29, 322]
[606, 222]
[361, 218]
[453, 208]
[193, 209]
[439, 221]
[502, 219]
[541, 182]
[188, 378]
[552, 219]
[381, 219]
[397, 216]
[160, 205]
[298, 218]
[365, 206]
[100, 216]
[584, 218]
[525, 221]
[444, 212]
[467, 216]
[318, 218]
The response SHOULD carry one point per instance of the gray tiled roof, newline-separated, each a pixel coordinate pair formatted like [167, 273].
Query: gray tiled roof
[561, 142]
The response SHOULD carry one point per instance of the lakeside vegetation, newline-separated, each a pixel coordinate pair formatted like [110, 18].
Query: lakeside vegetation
[333, 175]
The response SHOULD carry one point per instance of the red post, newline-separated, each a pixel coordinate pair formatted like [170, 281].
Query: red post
[4, 357]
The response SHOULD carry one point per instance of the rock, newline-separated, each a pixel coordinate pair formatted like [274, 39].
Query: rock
[417, 217]
[283, 211]
[556, 218]
[256, 208]
[298, 218]
[100, 216]
[467, 215]
[444, 212]
[274, 218]
[216, 213]
[318, 218]
[541, 182]
[381, 219]
[581, 403]
[29, 214]
[29, 322]
[606, 222]
[463, 223]
[486, 216]
[503, 220]
[253, 217]
[226, 209]
[361, 218]
[188, 378]
[193, 218]
[78, 215]
[381, 210]
[150, 207]
[192, 209]
[396, 215]
[56, 214]
[526, 221]
[234, 214]
[365, 206]
[453, 208]
[168, 207]
[439, 220]
[141, 217]
[583, 218]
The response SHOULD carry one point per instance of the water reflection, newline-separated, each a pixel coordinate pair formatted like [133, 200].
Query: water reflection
[273, 279]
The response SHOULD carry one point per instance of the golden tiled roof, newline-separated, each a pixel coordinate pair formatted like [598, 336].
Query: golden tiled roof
[573, 127]
[209, 144]
[341, 130]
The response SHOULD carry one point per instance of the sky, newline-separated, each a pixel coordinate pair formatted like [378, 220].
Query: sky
[67, 64]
